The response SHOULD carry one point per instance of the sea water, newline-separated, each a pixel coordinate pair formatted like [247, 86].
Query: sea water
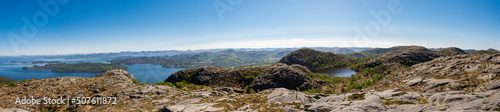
[145, 73]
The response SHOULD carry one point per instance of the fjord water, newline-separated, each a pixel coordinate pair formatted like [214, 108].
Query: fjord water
[340, 72]
[151, 73]
[144, 73]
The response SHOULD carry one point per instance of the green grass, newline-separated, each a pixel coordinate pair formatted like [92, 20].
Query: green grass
[354, 85]
[180, 85]
[249, 76]
[313, 91]
[164, 83]
[329, 91]
[251, 91]
[28, 80]
[266, 63]
[12, 84]
[422, 100]
[496, 109]
[136, 81]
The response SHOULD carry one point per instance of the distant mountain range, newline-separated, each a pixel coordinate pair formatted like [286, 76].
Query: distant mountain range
[129, 54]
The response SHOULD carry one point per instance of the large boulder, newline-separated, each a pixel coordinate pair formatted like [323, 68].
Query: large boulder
[494, 84]
[119, 74]
[257, 78]
[496, 60]
[282, 75]
[200, 76]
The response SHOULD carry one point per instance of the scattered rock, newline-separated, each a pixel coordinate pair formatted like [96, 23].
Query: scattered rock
[487, 77]
[414, 82]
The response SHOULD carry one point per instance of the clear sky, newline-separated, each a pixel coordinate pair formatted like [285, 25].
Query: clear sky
[95, 26]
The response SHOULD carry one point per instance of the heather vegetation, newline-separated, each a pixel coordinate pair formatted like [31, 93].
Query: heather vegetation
[4, 80]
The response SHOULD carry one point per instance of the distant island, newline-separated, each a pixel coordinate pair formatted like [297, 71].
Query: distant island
[43, 62]
[78, 67]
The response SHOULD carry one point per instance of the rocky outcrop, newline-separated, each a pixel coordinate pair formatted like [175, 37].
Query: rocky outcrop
[388, 100]
[201, 76]
[282, 75]
[256, 78]
[122, 74]
[468, 72]
[409, 55]
[406, 56]
[113, 83]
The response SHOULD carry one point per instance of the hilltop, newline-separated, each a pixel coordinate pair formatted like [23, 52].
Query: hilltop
[373, 52]
[467, 72]
[316, 60]
[451, 51]
[488, 51]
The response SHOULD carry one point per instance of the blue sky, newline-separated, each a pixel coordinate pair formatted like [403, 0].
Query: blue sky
[94, 26]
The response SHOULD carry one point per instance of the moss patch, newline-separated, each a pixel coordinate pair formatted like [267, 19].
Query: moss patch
[357, 97]
[390, 102]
